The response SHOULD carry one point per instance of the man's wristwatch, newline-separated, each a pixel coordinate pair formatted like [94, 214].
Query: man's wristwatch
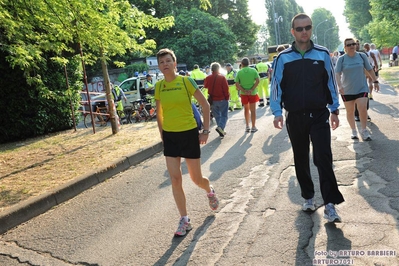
[335, 112]
[205, 132]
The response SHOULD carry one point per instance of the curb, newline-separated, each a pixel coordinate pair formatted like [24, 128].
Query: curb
[26, 210]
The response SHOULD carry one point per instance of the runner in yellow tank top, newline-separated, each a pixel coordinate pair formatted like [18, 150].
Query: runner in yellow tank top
[178, 115]
[179, 133]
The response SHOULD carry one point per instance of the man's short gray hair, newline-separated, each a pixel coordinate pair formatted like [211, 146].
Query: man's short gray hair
[215, 66]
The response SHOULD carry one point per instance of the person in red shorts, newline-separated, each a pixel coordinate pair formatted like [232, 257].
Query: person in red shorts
[247, 80]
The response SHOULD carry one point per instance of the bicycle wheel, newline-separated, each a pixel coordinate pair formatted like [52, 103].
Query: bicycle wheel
[145, 115]
[99, 121]
[84, 120]
[122, 117]
[153, 112]
[128, 114]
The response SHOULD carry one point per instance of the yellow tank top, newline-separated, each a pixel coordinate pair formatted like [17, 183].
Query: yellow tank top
[175, 98]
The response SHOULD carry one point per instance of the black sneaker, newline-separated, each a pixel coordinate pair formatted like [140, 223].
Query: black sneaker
[357, 118]
[220, 131]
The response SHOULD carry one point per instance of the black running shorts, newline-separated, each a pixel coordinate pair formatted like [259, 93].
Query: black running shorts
[352, 97]
[182, 144]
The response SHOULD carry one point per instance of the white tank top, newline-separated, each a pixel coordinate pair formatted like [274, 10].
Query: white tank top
[371, 61]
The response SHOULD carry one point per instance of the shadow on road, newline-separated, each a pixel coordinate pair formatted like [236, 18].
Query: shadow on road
[234, 157]
[176, 241]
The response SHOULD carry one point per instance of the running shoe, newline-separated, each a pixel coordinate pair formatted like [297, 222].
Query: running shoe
[366, 135]
[357, 118]
[183, 227]
[354, 134]
[254, 129]
[309, 205]
[220, 131]
[213, 200]
[247, 129]
[331, 214]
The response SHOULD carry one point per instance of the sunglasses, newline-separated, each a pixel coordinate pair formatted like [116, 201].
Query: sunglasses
[300, 29]
[351, 44]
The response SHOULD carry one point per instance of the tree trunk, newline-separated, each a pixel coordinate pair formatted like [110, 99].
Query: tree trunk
[111, 105]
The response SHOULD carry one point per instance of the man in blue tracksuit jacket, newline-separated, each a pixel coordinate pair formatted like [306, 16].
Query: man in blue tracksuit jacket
[303, 83]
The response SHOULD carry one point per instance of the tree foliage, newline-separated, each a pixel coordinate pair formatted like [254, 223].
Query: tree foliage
[29, 111]
[239, 22]
[260, 46]
[280, 14]
[373, 20]
[325, 29]
[37, 32]
[234, 14]
[201, 45]
[357, 13]
[385, 21]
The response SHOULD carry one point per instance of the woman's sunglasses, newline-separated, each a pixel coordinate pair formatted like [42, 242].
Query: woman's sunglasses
[351, 44]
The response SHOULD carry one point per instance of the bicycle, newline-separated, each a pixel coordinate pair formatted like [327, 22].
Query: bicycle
[101, 116]
[140, 111]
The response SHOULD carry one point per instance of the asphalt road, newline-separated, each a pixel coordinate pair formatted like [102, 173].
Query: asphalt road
[130, 219]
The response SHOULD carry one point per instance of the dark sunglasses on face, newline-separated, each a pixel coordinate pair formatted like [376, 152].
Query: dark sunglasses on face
[351, 44]
[300, 29]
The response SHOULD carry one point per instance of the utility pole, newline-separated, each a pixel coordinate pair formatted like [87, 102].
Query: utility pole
[324, 43]
[275, 22]
[317, 37]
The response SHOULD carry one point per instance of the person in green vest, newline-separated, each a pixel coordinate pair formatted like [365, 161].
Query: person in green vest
[235, 101]
[149, 87]
[263, 88]
[197, 74]
[117, 94]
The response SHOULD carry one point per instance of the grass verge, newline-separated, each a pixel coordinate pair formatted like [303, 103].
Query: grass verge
[35, 166]
[390, 75]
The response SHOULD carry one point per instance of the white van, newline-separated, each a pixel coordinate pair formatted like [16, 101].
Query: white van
[134, 87]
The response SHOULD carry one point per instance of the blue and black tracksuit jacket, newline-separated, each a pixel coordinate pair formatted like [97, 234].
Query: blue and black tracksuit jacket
[303, 83]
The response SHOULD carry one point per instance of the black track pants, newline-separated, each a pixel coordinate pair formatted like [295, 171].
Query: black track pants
[315, 127]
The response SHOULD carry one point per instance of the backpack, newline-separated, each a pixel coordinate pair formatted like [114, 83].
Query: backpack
[343, 58]
[116, 93]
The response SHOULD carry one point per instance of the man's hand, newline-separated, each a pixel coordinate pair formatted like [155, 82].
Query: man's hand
[334, 120]
[278, 122]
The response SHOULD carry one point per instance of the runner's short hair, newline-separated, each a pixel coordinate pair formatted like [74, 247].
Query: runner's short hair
[215, 66]
[166, 51]
[299, 16]
[245, 62]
